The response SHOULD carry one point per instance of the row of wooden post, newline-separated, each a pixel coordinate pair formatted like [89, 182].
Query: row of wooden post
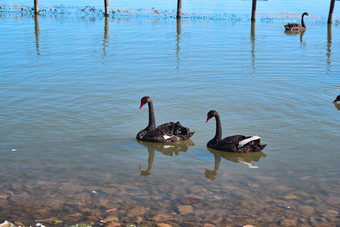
[179, 9]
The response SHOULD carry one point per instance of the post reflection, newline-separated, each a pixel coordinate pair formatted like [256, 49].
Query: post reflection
[106, 35]
[243, 158]
[37, 33]
[252, 39]
[329, 45]
[169, 149]
[178, 37]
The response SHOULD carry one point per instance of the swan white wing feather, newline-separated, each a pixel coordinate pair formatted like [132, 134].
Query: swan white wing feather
[245, 141]
[165, 136]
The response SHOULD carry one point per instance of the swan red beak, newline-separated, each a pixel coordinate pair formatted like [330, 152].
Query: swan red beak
[141, 105]
[208, 118]
[336, 100]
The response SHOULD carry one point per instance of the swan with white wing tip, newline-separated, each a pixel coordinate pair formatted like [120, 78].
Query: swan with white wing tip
[236, 143]
[165, 133]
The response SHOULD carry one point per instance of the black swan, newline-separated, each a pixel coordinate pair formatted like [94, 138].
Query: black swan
[236, 143]
[296, 26]
[168, 132]
[337, 99]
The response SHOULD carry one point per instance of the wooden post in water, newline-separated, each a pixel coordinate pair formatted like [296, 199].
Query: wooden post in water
[36, 7]
[179, 8]
[331, 9]
[253, 11]
[106, 3]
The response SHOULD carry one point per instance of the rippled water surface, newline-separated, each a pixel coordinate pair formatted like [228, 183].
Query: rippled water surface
[71, 85]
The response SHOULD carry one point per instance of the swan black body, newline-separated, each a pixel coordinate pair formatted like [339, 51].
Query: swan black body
[236, 143]
[168, 132]
[296, 26]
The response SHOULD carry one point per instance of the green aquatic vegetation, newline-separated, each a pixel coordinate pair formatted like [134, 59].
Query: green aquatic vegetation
[58, 222]
[81, 225]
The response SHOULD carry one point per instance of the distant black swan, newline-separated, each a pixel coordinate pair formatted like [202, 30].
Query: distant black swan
[337, 99]
[296, 26]
[168, 132]
[236, 143]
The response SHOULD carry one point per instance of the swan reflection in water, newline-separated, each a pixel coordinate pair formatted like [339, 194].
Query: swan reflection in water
[337, 105]
[169, 149]
[244, 158]
[298, 32]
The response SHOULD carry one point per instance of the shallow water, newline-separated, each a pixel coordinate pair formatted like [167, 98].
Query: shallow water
[71, 86]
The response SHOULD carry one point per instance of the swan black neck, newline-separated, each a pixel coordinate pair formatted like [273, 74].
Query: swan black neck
[218, 135]
[152, 122]
[302, 20]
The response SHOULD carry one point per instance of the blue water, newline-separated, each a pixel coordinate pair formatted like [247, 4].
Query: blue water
[71, 85]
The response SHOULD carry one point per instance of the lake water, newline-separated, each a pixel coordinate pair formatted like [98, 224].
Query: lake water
[71, 84]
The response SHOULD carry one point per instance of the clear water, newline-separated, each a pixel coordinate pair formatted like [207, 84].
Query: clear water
[71, 86]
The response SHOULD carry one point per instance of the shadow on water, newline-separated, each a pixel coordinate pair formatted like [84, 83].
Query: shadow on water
[37, 33]
[106, 36]
[244, 158]
[178, 39]
[169, 149]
